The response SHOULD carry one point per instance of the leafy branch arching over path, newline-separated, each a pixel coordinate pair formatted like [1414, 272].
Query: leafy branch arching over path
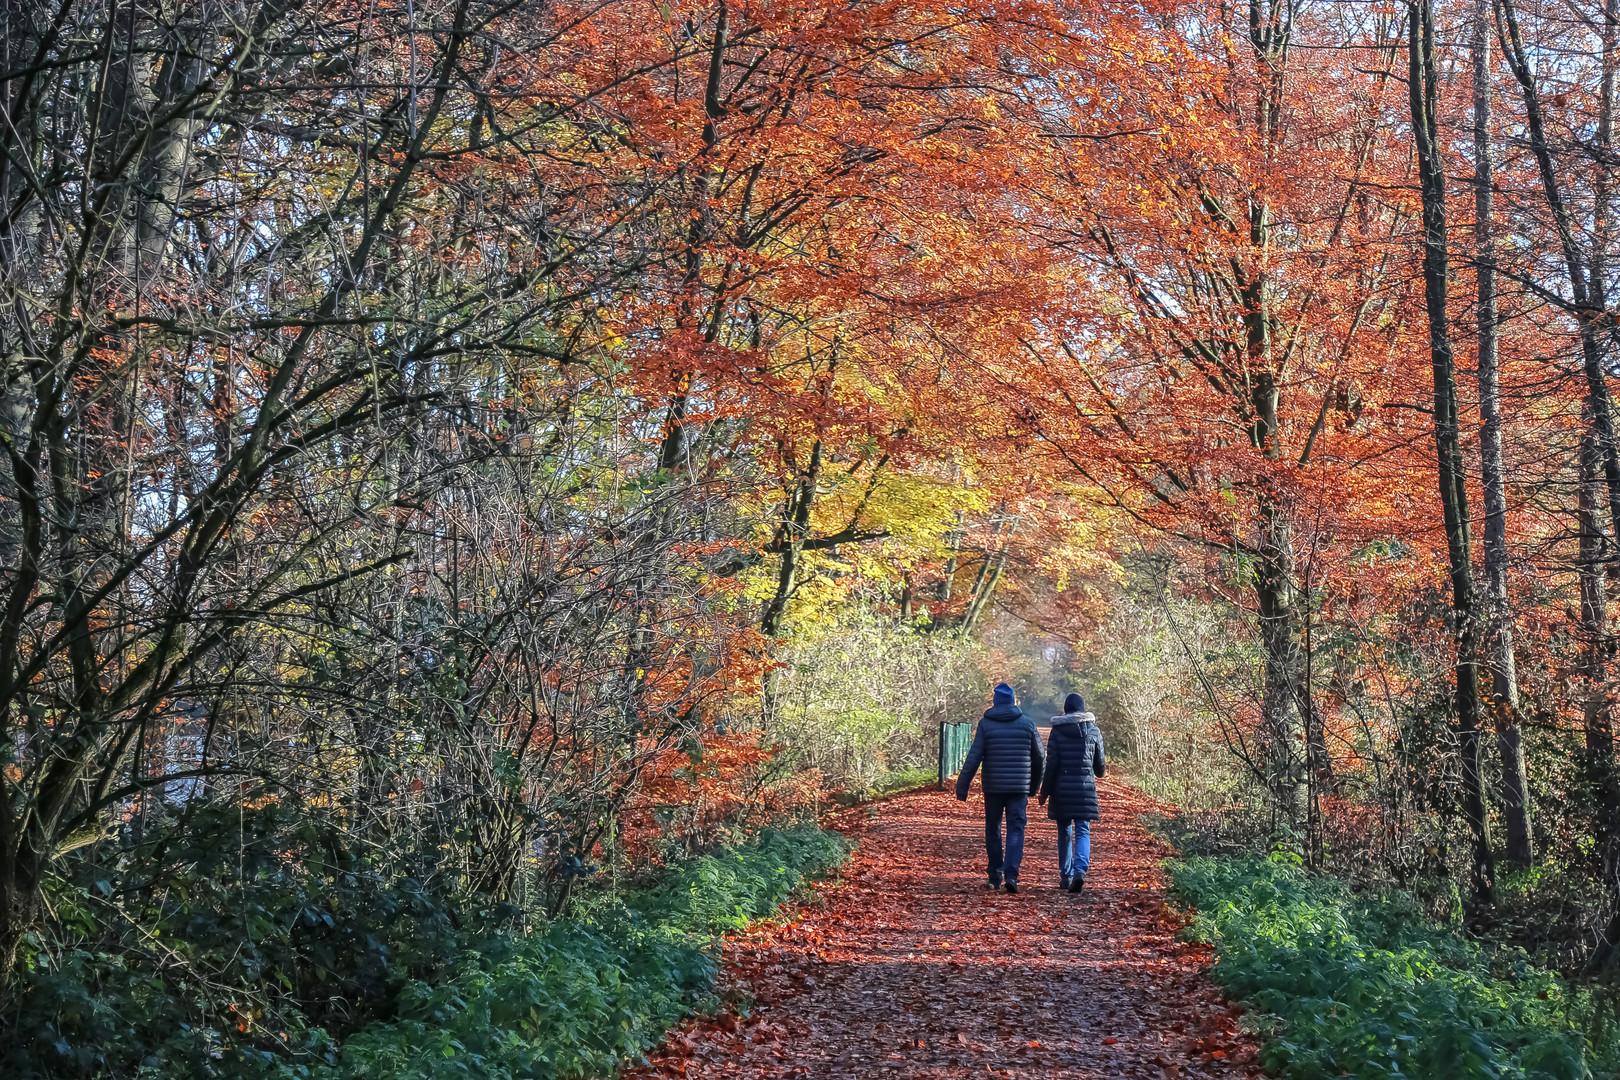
[911, 969]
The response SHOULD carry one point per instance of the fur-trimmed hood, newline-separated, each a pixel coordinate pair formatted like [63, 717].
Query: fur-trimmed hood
[1074, 718]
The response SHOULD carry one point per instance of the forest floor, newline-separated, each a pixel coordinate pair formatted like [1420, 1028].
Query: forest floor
[909, 967]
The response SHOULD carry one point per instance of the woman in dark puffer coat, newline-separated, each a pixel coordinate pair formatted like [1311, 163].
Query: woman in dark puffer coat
[1074, 759]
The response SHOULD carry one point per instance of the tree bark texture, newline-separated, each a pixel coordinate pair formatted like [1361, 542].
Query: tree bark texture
[1499, 634]
[795, 526]
[1423, 87]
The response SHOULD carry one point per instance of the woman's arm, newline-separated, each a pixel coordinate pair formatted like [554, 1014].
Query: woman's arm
[1049, 773]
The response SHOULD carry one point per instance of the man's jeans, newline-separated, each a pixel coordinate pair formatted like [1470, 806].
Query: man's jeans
[1015, 807]
[1074, 847]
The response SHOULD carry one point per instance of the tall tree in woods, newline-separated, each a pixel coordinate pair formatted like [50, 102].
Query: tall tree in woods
[1423, 94]
[1252, 257]
[1572, 197]
[1499, 611]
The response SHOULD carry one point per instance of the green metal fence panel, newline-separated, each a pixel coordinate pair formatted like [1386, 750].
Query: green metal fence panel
[954, 742]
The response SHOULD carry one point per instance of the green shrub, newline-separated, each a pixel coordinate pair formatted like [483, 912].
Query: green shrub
[579, 999]
[223, 940]
[427, 990]
[899, 780]
[716, 893]
[893, 782]
[1363, 986]
[569, 1003]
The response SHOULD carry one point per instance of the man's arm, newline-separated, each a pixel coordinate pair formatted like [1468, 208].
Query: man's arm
[964, 779]
[1037, 758]
[1098, 766]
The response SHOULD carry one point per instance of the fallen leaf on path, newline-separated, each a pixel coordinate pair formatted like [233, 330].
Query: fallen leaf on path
[1014, 963]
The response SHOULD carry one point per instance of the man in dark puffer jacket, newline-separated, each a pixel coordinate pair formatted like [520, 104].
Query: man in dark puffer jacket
[1009, 747]
[1074, 760]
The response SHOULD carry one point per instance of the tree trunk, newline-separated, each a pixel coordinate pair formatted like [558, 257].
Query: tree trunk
[1277, 599]
[1280, 699]
[1597, 724]
[1499, 633]
[1282, 703]
[990, 571]
[796, 524]
[1600, 721]
[1423, 86]
[1597, 707]
[989, 579]
[677, 440]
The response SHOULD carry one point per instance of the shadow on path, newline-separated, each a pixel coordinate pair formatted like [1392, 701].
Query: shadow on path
[911, 968]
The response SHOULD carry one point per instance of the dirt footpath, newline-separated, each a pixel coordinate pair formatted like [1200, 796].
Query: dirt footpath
[910, 968]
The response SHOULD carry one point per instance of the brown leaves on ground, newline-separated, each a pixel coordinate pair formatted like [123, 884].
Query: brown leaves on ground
[910, 968]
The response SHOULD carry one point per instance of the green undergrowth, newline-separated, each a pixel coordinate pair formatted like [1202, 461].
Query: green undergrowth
[1361, 985]
[899, 780]
[446, 997]
[893, 782]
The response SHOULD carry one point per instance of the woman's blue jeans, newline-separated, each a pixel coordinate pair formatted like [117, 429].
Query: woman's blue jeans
[1074, 847]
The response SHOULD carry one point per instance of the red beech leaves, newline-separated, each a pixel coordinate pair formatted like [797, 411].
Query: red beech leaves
[910, 968]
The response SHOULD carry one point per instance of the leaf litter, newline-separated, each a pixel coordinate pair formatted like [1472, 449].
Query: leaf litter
[909, 968]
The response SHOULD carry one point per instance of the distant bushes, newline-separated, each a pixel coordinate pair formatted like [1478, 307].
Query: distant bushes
[860, 697]
[1362, 985]
[341, 976]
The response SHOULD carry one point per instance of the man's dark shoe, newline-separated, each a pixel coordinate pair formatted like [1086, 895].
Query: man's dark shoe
[994, 886]
[1063, 882]
[1077, 883]
[1012, 886]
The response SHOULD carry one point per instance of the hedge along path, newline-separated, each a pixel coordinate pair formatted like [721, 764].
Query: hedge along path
[910, 968]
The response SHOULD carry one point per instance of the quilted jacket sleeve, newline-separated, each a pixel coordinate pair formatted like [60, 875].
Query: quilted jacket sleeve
[1054, 757]
[964, 779]
[1037, 757]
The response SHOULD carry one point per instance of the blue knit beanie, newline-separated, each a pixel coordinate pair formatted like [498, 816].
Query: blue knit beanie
[1003, 694]
[1074, 703]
